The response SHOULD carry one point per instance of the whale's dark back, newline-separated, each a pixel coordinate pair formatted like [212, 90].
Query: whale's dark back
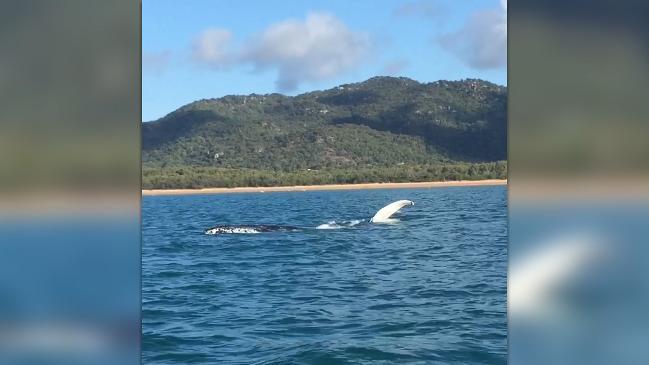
[274, 228]
[249, 228]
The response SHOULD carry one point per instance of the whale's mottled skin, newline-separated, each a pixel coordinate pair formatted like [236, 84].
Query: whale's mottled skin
[249, 229]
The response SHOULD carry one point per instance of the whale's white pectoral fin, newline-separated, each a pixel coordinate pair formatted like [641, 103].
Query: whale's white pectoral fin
[384, 214]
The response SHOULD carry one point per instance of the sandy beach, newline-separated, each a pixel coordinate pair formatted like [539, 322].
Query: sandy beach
[431, 184]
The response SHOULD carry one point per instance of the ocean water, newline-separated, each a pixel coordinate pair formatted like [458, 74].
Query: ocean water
[427, 289]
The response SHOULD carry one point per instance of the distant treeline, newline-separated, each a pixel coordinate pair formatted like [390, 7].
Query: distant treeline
[211, 177]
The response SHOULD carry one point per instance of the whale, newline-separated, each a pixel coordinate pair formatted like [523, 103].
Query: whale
[382, 216]
[249, 229]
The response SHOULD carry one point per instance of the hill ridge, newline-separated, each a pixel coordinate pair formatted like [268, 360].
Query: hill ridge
[382, 121]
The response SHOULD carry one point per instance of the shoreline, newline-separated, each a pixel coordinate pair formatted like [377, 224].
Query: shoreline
[407, 185]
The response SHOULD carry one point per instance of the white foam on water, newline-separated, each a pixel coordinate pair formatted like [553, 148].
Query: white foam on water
[330, 225]
[336, 225]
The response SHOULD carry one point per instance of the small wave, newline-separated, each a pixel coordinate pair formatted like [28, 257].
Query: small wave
[330, 225]
[336, 225]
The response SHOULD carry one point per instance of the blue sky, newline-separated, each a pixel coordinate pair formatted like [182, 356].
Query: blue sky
[205, 49]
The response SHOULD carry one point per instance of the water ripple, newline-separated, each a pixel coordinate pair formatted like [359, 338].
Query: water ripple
[430, 289]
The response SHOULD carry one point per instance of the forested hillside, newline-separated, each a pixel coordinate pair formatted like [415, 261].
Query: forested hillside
[376, 126]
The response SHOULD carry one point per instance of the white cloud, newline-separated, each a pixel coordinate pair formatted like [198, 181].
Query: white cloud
[482, 42]
[317, 48]
[320, 47]
[211, 48]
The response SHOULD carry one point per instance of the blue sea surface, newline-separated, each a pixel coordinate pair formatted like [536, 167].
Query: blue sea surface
[428, 289]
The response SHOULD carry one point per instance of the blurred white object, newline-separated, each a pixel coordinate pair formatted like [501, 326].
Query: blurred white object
[535, 278]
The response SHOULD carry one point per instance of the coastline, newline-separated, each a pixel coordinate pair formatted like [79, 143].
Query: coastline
[408, 185]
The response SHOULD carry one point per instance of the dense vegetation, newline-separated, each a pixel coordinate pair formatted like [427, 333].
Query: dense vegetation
[203, 177]
[383, 129]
